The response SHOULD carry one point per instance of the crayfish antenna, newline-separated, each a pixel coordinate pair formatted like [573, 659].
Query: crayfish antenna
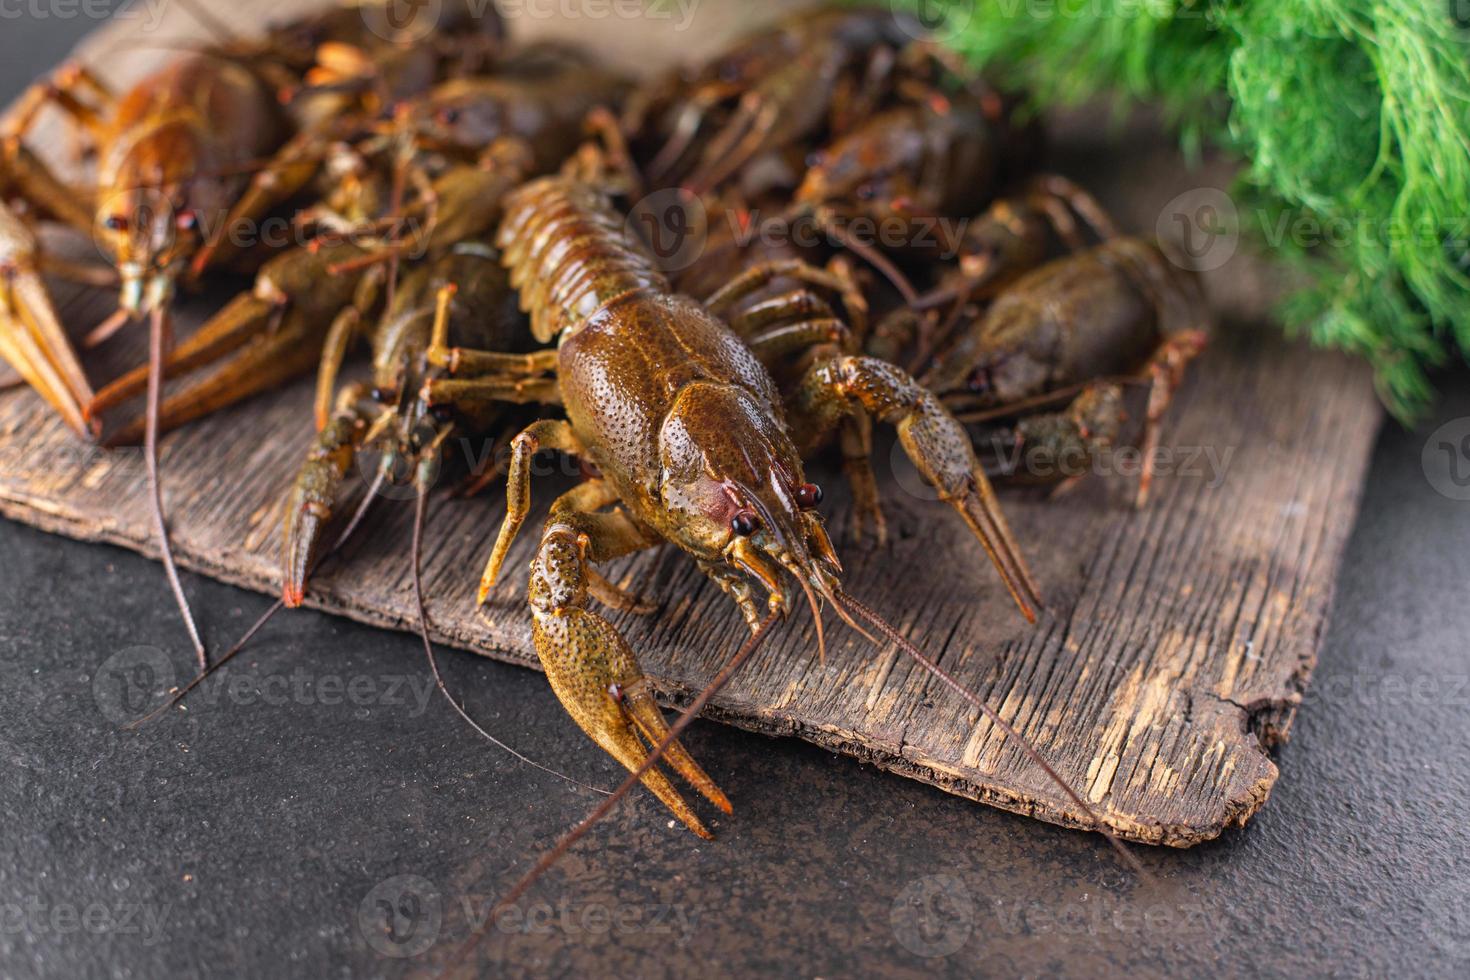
[811, 600]
[892, 633]
[156, 332]
[265, 617]
[421, 506]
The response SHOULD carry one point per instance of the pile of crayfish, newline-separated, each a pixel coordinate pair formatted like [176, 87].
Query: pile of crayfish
[873, 240]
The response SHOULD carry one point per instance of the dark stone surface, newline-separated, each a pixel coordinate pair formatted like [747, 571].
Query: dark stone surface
[256, 833]
[254, 828]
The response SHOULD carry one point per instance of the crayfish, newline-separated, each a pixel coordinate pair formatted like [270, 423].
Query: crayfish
[689, 438]
[460, 147]
[812, 73]
[174, 152]
[674, 410]
[424, 390]
[1070, 333]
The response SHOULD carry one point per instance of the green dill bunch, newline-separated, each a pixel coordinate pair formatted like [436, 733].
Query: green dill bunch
[1352, 116]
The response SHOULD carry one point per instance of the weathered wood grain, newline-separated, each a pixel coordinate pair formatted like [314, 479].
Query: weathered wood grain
[1177, 642]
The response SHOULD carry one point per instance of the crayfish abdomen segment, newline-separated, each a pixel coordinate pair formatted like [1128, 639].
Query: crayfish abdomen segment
[569, 254]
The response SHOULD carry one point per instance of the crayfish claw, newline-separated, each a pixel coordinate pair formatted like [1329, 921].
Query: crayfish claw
[596, 676]
[940, 450]
[314, 495]
[32, 340]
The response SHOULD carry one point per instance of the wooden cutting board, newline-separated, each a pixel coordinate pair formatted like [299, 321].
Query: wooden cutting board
[1176, 644]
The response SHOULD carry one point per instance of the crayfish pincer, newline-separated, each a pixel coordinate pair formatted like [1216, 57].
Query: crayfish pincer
[688, 437]
[32, 340]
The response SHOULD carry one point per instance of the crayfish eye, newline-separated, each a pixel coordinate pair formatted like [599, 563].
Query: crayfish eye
[814, 159]
[744, 522]
[808, 495]
[866, 192]
[115, 222]
[448, 115]
[442, 412]
[383, 395]
[186, 220]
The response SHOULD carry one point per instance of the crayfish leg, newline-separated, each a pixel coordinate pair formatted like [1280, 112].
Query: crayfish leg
[543, 434]
[1165, 372]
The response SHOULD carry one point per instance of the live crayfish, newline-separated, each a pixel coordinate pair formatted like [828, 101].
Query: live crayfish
[173, 152]
[893, 182]
[689, 436]
[814, 72]
[424, 390]
[177, 152]
[458, 149]
[1122, 310]
[690, 443]
[892, 177]
[1070, 332]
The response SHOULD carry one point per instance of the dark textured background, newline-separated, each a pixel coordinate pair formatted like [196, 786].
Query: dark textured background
[267, 831]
